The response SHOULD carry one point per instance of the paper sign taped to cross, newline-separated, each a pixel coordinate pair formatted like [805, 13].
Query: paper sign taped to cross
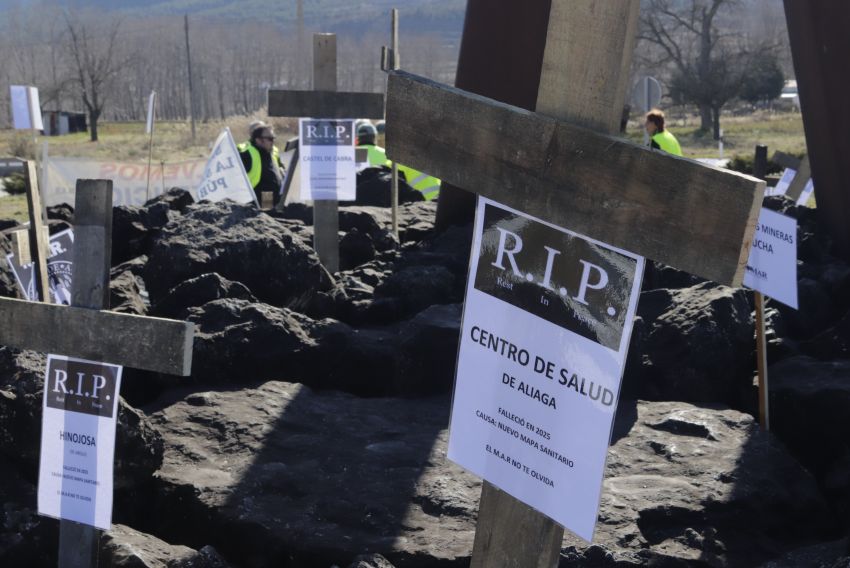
[60, 269]
[75, 475]
[772, 265]
[546, 327]
[327, 159]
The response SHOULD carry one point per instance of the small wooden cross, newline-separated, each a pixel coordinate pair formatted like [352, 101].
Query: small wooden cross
[325, 102]
[86, 330]
[562, 164]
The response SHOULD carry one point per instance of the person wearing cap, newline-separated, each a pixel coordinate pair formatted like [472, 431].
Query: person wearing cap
[367, 134]
[261, 159]
[661, 138]
[427, 185]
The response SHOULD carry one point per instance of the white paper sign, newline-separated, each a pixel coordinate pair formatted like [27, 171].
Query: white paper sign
[60, 269]
[151, 107]
[129, 179]
[224, 174]
[327, 159]
[783, 184]
[26, 109]
[78, 440]
[546, 327]
[806, 194]
[772, 266]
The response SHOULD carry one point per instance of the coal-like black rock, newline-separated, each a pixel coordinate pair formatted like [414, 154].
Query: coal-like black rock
[428, 344]
[240, 342]
[314, 477]
[281, 472]
[177, 199]
[371, 561]
[197, 292]
[695, 344]
[241, 244]
[702, 486]
[124, 547]
[135, 228]
[374, 187]
[810, 405]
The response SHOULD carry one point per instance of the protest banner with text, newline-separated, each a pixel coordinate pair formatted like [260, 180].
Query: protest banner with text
[224, 175]
[129, 180]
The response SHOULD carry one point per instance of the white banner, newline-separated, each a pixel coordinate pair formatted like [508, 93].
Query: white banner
[26, 108]
[224, 175]
[60, 269]
[78, 440]
[151, 109]
[546, 327]
[129, 180]
[327, 159]
[772, 266]
[807, 195]
[783, 184]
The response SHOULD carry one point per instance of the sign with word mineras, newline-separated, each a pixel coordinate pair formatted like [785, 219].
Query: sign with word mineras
[78, 440]
[546, 327]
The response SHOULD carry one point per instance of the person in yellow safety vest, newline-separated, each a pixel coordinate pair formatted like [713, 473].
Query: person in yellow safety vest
[261, 159]
[660, 137]
[428, 186]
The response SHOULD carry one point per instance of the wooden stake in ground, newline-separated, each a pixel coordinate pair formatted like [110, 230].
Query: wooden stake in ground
[149, 127]
[325, 102]
[761, 353]
[85, 331]
[395, 64]
[674, 210]
[37, 233]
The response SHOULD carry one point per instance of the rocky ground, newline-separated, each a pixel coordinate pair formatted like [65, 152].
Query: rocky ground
[312, 431]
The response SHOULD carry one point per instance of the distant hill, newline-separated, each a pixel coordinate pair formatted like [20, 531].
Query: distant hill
[443, 17]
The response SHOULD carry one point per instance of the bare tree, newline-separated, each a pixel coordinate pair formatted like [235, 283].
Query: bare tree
[94, 62]
[708, 64]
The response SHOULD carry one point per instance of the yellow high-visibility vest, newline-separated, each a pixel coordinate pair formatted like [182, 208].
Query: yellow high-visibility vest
[255, 172]
[667, 142]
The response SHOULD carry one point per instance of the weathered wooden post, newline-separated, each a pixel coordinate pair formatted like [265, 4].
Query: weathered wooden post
[87, 331]
[571, 173]
[325, 102]
[820, 48]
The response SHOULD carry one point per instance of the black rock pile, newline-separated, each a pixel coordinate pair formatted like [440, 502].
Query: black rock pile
[312, 431]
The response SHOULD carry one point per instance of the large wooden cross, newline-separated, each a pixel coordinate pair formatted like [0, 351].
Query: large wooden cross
[563, 165]
[86, 330]
[325, 102]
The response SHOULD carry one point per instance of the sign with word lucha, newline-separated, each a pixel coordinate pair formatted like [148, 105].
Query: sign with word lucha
[78, 440]
[327, 159]
[60, 269]
[546, 327]
[772, 265]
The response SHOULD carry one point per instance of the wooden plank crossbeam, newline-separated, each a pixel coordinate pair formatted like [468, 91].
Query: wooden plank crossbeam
[154, 344]
[670, 209]
[326, 104]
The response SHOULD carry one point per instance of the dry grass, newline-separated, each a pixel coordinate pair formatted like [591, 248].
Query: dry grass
[778, 131]
[127, 141]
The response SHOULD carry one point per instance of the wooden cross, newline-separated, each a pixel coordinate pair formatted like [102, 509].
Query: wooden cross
[325, 102]
[563, 165]
[86, 330]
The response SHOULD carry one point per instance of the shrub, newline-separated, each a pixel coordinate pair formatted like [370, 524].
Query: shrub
[15, 184]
